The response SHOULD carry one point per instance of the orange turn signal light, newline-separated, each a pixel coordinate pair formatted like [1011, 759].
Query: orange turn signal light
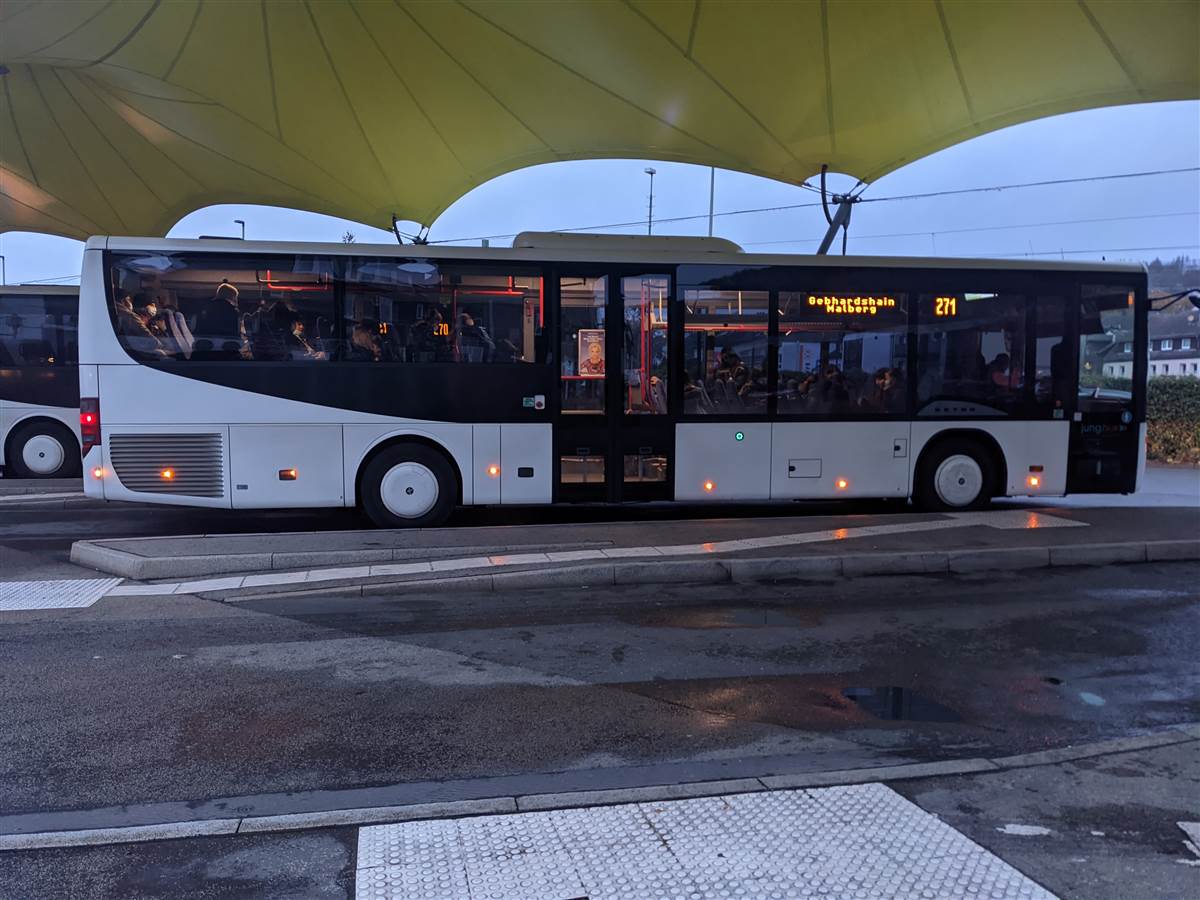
[493, 470]
[97, 472]
[1033, 481]
[710, 486]
[288, 474]
[842, 484]
[167, 474]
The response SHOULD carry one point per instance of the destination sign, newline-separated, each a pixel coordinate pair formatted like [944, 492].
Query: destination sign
[851, 305]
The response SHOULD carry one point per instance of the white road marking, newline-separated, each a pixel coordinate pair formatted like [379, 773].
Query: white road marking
[66, 594]
[1024, 830]
[35, 498]
[1192, 830]
[838, 841]
[1003, 519]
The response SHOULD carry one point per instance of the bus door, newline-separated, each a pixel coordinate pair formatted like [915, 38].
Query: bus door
[614, 438]
[1105, 431]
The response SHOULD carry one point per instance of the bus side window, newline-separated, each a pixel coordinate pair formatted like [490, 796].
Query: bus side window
[971, 354]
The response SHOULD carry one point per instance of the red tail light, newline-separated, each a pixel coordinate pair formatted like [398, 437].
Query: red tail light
[89, 423]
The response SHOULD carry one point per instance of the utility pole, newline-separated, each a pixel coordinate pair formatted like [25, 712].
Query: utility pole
[650, 216]
[712, 189]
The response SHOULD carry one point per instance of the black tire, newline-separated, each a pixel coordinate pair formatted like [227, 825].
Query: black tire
[926, 491]
[70, 466]
[412, 482]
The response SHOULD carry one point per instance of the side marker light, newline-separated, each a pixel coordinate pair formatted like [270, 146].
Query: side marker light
[97, 472]
[167, 474]
[842, 484]
[1033, 481]
[288, 474]
[493, 470]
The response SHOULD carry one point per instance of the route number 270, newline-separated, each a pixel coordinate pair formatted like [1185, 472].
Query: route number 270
[945, 306]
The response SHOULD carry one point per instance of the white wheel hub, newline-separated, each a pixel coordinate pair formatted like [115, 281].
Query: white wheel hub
[958, 480]
[43, 454]
[409, 490]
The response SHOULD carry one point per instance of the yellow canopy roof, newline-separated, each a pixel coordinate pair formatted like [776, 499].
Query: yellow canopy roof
[121, 117]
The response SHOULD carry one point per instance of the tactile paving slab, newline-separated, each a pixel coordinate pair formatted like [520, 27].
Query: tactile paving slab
[19, 595]
[863, 841]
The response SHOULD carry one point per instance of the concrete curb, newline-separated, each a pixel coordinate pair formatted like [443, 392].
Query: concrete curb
[719, 571]
[1182, 733]
[95, 555]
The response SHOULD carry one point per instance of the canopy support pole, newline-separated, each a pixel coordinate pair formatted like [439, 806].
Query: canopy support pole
[839, 220]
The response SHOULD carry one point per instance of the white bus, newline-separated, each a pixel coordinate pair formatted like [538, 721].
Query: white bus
[39, 381]
[408, 380]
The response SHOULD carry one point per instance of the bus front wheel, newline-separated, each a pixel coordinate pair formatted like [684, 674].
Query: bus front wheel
[408, 486]
[955, 475]
[43, 449]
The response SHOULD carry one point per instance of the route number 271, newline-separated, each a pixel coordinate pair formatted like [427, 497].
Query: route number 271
[945, 306]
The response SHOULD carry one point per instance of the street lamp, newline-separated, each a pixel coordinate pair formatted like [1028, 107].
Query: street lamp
[243, 224]
[650, 217]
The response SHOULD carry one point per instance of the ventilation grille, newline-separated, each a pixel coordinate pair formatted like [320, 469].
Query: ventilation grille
[196, 463]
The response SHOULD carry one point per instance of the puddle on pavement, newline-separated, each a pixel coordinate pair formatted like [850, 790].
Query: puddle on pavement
[716, 617]
[900, 704]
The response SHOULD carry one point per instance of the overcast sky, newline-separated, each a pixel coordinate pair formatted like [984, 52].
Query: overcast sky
[1143, 217]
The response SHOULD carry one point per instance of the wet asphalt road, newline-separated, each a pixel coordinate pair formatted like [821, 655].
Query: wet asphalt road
[138, 701]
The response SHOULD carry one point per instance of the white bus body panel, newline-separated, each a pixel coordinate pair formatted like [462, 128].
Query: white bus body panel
[710, 452]
[808, 459]
[526, 447]
[1023, 444]
[486, 446]
[258, 453]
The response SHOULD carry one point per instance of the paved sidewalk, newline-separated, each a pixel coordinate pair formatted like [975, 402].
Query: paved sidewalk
[1105, 821]
[641, 552]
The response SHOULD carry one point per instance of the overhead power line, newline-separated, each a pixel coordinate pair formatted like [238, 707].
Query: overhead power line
[941, 231]
[791, 206]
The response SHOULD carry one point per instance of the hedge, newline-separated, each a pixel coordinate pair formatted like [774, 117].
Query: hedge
[1173, 419]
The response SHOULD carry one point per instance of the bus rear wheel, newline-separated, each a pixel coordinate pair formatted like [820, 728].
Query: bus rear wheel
[955, 475]
[43, 449]
[408, 486]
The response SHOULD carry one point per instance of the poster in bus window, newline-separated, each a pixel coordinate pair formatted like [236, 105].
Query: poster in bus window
[591, 352]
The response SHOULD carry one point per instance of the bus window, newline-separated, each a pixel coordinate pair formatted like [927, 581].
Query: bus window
[211, 307]
[38, 330]
[725, 352]
[970, 354]
[417, 311]
[1052, 360]
[647, 305]
[1105, 327]
[842, 354]
[582, 373]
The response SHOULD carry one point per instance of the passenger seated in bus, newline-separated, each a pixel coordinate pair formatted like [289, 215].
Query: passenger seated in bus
[363, 347]
[431, 338]
[296, 343]
[888, 394]
[475, 345]
[132, 328]
[1001, 373]
[220, 331]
